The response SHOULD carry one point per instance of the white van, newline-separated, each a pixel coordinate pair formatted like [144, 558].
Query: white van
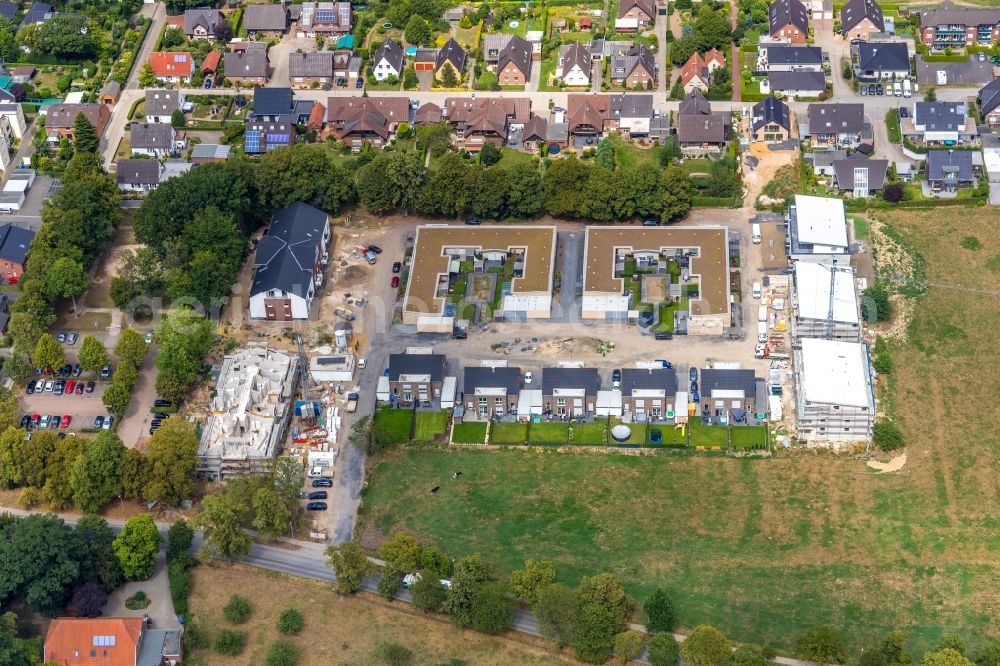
[897, 89]
[906, 88]
[762, 313]
[756, 290]
[762, 331]
[755, 233]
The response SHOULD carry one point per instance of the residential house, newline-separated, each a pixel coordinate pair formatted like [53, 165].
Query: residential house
[152, 139]
[455, 14]
[948, 170]
[699, 129]
[732, 396]
[355, 120]
[817, 229]
[425, 60]
[271, 122]
[789, 58]
[416, 378]
[860, 176]
[172, 66]
[15, 242]
[939, 123]
[248, 68]
[493, 44]
[630, 115]
[825, 302]
[428, 114]
[210, 66]
[325, 18]
[160, 104]
[204, 153]
[490, 391]
[771, 121]
[110, 640]
[649, 394]
[539, 132]
[861, 18]
[954, 27]
[514, 63]
[205, 24]
[450, 56]
[110, 93]
[822, 160]
[883, 61]
[570, 391]
[342, 63]
[788, 19]
[797, 84]
[635, 15]
[317, 118]
[310, 69]
[388, 61]
[634, 68]
[834, 396]
[138, 175]
[265, 21]
[38, 12]
[485, 119]
[586, 116]
[8, 9]
[696, 73]
[574, 65]
[591, 115]
[289, 263]
[60, 118]
[840, 124]
[15, 119]
[989, 103]
[23, 73]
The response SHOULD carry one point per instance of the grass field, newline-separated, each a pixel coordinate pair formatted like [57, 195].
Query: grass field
[338, 629]
[396, 421]
[470, 432]
[767, 548]
[555, 432]
[430, 425]
[509, 433]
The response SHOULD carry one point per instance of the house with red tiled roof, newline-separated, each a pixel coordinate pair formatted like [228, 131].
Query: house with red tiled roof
[173, 66]
[109, 641]
[211, 64]
[696, 74]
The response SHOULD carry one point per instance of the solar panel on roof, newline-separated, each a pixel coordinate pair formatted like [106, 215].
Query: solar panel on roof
[180, 57]
[251, 143]
[277, 138]
[325, 16]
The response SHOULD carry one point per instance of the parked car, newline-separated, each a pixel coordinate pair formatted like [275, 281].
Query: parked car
[663, 336]
[66, 370]
[360, 83]
[616, 378]
[322, 483]
[160, 402]
[72, 338]
[459, 334]
[149, 337]
[394, 282]
[694, 387]
[878, 89]
[36, 420]
[90, 387]
[375, 248]
[693, 374]
[105, 372]
[79, 388]
[98, 421]
[77, 370]
[473, 221]
[48, 386]
[981, 57]
[70, 385]
[58, 388]
[317, 495]
[29, 388]
[66, 420]
[316, 506]
[370, 257]
[108, 420]
[863, 90]
[161, 415]
[396, 267]
[61, 337]
[25, 421]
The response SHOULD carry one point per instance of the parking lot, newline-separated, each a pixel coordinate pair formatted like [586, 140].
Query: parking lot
[972, 72]
[83, 407]
[29, 216]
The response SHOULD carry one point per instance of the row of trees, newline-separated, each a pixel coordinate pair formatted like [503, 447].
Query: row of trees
[131, 350]
[90, 473]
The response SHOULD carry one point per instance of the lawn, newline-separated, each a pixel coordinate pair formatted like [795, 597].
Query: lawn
[591, 433]
[470, 432]
[510, 157]
[553, 432]
[765, 549]
[696, 165]
[862, 230]
[430, 425]
[709, 437]
[339, 629]
[509, 433]
[396, 422]
[748, 437]
[628, 155]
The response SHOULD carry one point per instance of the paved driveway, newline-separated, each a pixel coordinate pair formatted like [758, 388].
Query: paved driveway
[134, 428]
[278, 57]
[971, 72]
[157, 588]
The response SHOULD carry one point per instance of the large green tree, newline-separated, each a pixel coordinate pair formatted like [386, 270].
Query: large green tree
[48, 353]
[391, 181]
[93, 355]
[131, 347]
[172, 457]
[555, 611]
[68, 36]
[103, 564]
[42, 561]
[428, 593]
[527, 583]
[565, 180]
[525, 194]
[822, 645]
[66, 278]
[469, 577]
[493, 610]
[660, 615]
[350, 566]
[594, 633]
[303, 172]
[97, 474]
[606, 590]
[220, 519]
[136, 547]
[271, 517]
[663, 650]
[946, 657]
[401, 550]
[676, 191]
[185, 336]
[84, 134]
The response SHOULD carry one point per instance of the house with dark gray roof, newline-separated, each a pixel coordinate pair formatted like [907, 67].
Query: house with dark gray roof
[935, 123]
[634, 68]
[797, 84]
[788, 58]
[15, 242]
[839, 123]
[649, 394]
[574, 64]
[883, 61]
[948, 170]
[288, 263]
[570, 391]
[771, 120]
[247, 67]
[514, 62]
[266, 20]
[731, 395]
[822, 160]
[160, 104]
[860, 18]
[39, 12]
[415, 378]
[388, 61]
[788, 19]
[204, 23]
[306, 69]
[138, 175]
[699, 129]
[490, 391]
[152, 139]
[859, 175]
[450, 56]
[989, 103]
[8, 9]
[493, 44]
[271, 122]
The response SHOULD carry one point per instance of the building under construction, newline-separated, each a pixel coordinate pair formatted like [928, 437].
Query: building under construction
[826, 303]
[835, 399]
[250, 412]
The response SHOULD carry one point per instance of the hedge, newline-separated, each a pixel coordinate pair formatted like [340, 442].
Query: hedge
[716, 202]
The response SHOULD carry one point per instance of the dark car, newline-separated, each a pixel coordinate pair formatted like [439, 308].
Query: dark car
[66, 370]
[25, 421]
[694, 387]
[396, 267]
[161, 415]
[98, 421]
[105, 372]
[903, 113]
[871, 88]
[650, 223]
[58, 388]
[664, 336]
[459, 334]
[693, 374]
[878, 89]
[79, 388]
[61, 337]
[394, 282]
[54, 421]
[341, 81]
[77, 370]
[160, 402]
[317, 495]
[473, 221]
[90, 387]
[360, 83]
[322, 483]
[316, 506]
[29, 388]
[375, 248]
[616, 375]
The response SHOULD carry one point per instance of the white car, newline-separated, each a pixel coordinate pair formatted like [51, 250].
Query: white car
[527, 377]
[315, 472]
[760, 351]
[361, 362]
[149, 337]
[756, 290]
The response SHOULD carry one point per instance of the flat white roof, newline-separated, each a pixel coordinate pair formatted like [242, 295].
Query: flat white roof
[812, 284]
[834, 373]
[991, 158]
[821, 221]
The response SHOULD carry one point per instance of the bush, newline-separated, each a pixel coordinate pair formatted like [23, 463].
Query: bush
[238, 609]
[282, 653]
[388, 584]
[663, 650]
[893, 192]
[875, 304]
[887, 436]
[230, 641]
[290, 622]
[394, 654]
[180, 587]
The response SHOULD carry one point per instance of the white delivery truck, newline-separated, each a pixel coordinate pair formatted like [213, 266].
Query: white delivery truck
[762, 313]
[755, 233]
[897, 89]
[762, 331]
[907, 92]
